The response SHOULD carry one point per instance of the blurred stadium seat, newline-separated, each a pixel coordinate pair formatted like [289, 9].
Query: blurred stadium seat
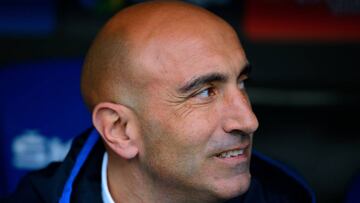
[41, 110]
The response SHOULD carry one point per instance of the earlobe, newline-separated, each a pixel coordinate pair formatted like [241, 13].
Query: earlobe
[113, 122]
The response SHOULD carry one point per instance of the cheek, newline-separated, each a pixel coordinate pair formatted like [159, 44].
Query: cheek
[201, 125]
[176, 147]
[178, 139]
[199, 129]
[184, 125]
[166, 157]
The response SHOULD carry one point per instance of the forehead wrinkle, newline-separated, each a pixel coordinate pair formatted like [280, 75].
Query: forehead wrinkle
[176, 57]
[187, 48]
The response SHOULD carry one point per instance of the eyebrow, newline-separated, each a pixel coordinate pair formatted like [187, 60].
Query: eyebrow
[209, 78]
[201, 80]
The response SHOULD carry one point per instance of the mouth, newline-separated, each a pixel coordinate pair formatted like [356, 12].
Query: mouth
[239, 153]
[231, 153]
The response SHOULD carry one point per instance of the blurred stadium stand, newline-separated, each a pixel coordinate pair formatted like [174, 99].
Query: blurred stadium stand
[41, 111]
[304, 85]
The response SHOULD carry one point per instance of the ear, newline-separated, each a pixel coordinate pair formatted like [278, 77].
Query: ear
[117, 126]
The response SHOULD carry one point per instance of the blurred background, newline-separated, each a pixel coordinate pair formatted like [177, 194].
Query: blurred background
[304, 84]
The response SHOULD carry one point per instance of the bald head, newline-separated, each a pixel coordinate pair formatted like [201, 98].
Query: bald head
[115, 68]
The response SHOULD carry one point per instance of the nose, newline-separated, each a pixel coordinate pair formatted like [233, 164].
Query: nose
[238, 113]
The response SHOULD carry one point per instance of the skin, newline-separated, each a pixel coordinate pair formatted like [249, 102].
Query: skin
[163, 136]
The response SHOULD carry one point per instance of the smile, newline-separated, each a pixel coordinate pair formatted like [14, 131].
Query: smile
[231, 153]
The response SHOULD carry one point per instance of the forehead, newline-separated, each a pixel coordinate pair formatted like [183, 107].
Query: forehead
[176, 58]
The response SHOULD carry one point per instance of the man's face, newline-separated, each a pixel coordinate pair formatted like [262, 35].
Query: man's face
[197, 122]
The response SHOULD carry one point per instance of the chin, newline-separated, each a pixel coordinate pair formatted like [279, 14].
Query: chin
[234, 187]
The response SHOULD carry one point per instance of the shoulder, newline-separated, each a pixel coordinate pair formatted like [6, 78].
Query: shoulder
[277, 182]
[37, 186]
[47, 185]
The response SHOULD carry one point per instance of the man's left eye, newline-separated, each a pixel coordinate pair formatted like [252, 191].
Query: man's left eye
[241, 82]
[208, 92]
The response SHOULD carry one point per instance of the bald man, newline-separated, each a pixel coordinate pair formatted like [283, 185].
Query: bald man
[165, 83]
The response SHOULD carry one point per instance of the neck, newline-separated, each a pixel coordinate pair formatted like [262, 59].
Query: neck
[128, 183]
[124, 183]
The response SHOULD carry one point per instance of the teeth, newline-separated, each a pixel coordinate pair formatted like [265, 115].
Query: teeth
[232, 153]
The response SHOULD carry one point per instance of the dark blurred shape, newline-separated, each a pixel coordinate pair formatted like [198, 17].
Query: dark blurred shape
[103, 6]
[353, 194]
[302, 20]
[23, 17]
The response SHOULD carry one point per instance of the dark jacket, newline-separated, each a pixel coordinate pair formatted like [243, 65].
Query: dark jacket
[78, 178]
